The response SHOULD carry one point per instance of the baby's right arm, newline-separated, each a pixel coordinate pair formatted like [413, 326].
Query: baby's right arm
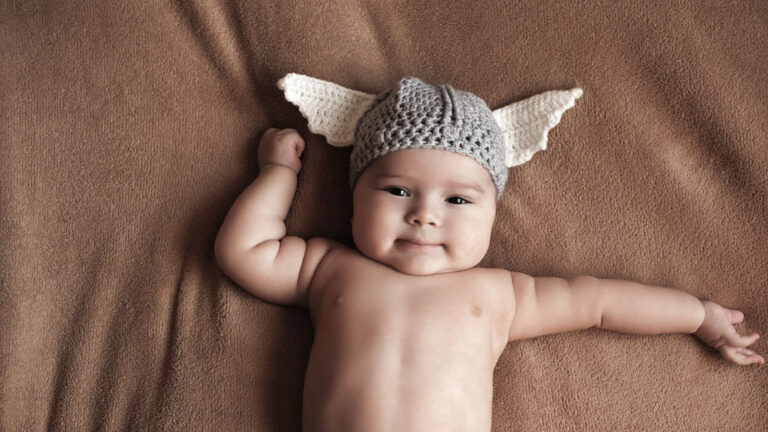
[251, 246]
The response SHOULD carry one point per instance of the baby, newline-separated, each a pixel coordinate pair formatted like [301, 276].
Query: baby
[408, 329]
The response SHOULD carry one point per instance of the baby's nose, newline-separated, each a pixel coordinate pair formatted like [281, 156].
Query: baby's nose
[423, 214]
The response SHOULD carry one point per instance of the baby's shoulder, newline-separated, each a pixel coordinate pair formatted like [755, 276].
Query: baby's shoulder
[495, 282]
[320, 248]
[327, 256]
[493, 276]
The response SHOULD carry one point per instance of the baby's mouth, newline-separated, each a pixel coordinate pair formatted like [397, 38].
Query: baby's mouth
[415, 245]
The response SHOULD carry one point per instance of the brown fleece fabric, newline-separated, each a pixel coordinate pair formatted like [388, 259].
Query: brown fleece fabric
[129, 128]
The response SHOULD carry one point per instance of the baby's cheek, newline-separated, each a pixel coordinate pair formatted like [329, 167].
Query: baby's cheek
[369, 233]
[476, 245]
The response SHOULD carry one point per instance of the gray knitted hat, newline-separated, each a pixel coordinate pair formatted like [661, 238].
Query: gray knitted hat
[414, 114]
[417, 115]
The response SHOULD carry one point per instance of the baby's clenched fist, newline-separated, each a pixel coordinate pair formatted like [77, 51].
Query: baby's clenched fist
[281, 147]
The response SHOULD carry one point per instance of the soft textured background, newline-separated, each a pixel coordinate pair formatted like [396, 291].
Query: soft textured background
[128, 128]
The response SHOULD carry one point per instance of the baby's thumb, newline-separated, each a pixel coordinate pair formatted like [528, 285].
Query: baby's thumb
[735, 315]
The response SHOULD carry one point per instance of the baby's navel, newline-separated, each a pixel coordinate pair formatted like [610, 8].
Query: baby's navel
[339, 300]
[477, 310]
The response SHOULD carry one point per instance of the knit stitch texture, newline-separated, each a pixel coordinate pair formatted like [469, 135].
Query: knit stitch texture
[417, 115]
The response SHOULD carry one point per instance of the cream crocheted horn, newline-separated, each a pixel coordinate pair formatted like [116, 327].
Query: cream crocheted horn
[333, 111]
[525, 124]
[330, 109]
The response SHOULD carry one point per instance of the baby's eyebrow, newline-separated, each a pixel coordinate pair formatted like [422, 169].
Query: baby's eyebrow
[453, 184]
[473, 186]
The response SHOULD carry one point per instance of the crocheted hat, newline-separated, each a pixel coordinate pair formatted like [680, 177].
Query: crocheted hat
[417, 115]
[414, 114]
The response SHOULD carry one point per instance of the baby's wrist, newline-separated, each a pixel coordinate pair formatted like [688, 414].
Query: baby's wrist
[266, 165]
[704, 313]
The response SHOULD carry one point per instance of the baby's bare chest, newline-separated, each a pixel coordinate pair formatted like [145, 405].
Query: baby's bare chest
[372, 308]
[415, 351]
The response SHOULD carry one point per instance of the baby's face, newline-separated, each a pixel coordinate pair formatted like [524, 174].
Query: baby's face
[424, 211]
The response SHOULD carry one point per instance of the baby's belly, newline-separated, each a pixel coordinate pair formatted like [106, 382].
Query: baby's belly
[381, 370]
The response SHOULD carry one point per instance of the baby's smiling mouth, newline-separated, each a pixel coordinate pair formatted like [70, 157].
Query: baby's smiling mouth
[415, 245]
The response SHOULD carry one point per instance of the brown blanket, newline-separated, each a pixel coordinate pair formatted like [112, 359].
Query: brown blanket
[127, 130]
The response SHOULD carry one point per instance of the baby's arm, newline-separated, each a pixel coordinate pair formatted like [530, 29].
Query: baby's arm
[553, 305]
[251, 246]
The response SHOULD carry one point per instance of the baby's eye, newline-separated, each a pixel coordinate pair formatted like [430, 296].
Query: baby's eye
[457, 200]
[397, 191]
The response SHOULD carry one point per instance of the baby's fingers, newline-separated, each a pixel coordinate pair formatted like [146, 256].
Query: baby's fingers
[741, 356]
[734, 339]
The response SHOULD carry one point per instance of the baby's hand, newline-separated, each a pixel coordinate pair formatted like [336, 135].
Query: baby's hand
[281, 147]
[717, 331]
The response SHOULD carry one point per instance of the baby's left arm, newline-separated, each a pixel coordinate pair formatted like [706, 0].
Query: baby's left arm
[546, 305]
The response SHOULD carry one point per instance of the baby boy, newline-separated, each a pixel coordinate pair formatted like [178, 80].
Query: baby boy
[408, 329]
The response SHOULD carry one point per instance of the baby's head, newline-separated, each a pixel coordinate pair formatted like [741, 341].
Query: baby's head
[428, 163]
[426, 169]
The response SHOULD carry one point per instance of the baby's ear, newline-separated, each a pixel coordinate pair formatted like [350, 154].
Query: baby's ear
[525, 124]
[330, 109]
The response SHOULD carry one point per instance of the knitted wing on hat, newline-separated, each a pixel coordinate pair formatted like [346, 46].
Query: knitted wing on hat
[330, 109]
[525, 124]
